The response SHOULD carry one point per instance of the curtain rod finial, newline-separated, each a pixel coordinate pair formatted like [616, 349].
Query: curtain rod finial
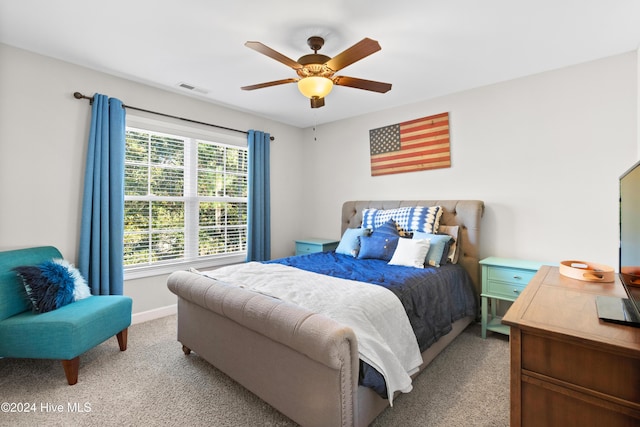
[78, 95]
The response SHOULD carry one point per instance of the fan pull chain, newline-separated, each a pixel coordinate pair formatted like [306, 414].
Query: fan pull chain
[315, 124]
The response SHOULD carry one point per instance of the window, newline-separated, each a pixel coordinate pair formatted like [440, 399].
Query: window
[185, 199]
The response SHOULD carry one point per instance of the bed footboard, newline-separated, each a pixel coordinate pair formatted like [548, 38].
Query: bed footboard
[301, 363]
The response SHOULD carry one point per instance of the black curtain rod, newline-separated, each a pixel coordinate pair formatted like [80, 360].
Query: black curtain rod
[78, 95]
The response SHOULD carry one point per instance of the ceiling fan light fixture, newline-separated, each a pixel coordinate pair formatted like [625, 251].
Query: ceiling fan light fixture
[315, 86]
[316, 71]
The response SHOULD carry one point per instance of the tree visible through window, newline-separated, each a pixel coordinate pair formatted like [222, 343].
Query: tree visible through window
[185, 198]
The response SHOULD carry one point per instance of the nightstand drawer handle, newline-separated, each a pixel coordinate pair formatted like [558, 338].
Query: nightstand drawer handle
[516, 291]
[517, 277]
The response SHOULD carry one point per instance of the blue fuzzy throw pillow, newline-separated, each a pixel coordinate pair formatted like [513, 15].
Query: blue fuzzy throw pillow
[52, 284]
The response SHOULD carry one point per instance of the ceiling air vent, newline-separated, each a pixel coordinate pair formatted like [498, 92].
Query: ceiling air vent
[193, 88]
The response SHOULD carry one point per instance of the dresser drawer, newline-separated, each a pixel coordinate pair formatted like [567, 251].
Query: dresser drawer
[508, 291]
[307, 248]
[588, 366]
[515, 276]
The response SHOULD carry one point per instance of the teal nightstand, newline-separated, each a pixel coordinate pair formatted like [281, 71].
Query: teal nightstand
[311, 245]
[502, 279]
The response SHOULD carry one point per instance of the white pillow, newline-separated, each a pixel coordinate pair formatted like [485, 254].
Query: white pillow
[410, 253]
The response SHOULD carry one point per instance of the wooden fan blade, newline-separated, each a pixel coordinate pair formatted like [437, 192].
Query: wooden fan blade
[362, 49]
[362, 84]
[317, 102]
[266, 50]
[267, 84]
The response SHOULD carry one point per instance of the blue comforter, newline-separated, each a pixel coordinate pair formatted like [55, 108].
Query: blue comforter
[433, 298]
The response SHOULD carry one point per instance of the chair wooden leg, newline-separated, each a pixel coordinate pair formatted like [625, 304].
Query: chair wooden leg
[71, 369]
[122, 339]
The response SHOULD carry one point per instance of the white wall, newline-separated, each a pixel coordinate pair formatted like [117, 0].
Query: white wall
[43, 138]
[544, 153]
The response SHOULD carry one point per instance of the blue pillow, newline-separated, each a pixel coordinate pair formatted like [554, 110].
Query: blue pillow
[350, 241]
[438, 248]
[52, 284]
[381, 244]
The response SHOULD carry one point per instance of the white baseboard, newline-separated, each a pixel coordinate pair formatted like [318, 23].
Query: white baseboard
[156, 313]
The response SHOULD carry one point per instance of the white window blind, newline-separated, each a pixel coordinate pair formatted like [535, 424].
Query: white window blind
[185, 200]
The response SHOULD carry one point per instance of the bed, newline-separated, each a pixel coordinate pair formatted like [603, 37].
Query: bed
[306, 364]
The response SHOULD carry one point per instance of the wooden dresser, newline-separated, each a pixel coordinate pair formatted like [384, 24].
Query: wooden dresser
[567, 366]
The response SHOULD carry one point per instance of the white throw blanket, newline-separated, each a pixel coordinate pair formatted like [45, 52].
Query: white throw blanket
[385, 338]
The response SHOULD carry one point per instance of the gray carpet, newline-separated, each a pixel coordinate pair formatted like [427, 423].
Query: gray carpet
[154, 383]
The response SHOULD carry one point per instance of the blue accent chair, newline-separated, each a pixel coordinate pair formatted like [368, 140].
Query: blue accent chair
[64, 333]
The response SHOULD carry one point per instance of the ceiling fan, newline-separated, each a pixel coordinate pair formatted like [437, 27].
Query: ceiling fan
[316, 71]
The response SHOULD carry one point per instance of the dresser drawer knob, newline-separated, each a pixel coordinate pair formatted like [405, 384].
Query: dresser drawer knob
[516, 291]
[517, 277]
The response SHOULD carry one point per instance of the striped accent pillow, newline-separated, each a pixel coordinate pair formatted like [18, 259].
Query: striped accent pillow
[409, 219]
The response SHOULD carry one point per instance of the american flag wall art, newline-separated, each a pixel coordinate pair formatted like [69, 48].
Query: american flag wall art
[411, 146]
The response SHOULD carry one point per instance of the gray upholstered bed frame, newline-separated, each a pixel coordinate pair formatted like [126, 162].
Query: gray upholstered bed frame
[302, 363]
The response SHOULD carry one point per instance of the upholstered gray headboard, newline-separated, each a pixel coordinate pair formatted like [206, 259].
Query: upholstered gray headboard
[464, 213]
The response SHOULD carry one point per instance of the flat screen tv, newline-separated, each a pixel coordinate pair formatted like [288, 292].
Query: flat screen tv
[629, 266]
[627, 310]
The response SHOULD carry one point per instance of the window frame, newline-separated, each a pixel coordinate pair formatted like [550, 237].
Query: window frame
[195, 131]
